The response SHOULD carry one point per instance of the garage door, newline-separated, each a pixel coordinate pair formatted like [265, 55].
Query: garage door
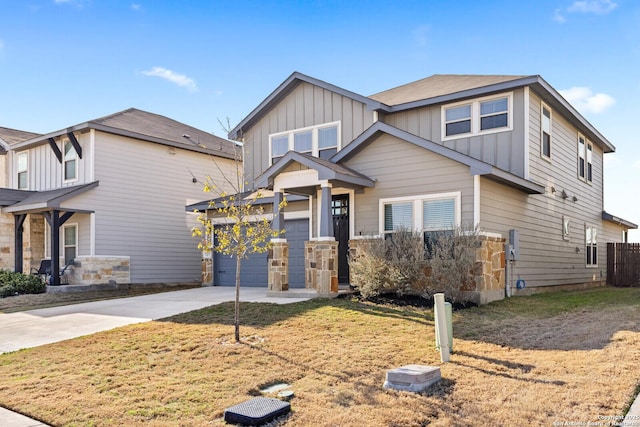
[253, 270]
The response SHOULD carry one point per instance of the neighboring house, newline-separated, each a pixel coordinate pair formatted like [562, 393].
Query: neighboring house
[108, 194]
[506, 153]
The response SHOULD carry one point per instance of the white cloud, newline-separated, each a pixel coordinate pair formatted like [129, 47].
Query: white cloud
[136, 6]
[179, 79]
[636, 164]
[610, 159]
[559, 17]
[586, 101]
[599, 7]
[76, 3]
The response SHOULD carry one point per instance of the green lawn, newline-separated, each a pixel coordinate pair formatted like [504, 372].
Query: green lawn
[570, 356]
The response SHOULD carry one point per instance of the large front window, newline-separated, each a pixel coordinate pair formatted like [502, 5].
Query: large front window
[426, 213]
[23, 170]
[320, 141]
[480, 116]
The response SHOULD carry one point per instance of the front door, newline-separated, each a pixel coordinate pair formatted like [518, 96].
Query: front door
[340, 211]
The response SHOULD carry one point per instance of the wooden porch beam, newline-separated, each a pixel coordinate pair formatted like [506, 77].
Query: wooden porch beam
[19, 229]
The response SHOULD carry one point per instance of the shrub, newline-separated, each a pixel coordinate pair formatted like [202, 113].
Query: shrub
[453, 262]
[17, 283]
[405, 264]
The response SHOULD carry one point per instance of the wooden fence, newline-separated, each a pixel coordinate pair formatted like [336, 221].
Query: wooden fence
[623, 264]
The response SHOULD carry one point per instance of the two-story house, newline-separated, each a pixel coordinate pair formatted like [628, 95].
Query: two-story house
[108, 194]
[506, 153]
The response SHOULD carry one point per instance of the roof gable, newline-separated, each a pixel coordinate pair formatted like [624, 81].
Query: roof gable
[476, 167]
[285, 88]
[13, 136]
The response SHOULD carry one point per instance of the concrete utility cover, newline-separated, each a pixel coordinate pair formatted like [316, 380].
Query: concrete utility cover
[413, 378]
[256, 411]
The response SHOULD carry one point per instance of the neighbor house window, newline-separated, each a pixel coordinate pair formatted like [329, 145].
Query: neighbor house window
[320, 141]
[70, 162]
[23, 170]
[589, 162]
[545, 131]
[426, 214]
[484, 115]
[70, 241]
[581, 157]
[591, 241]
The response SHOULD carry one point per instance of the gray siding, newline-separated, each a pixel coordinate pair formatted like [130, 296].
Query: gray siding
[139, 206]
[307, 105]
[504, 150]
[403, 169]
[546, 258]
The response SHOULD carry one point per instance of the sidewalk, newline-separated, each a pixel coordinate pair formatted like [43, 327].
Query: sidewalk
[48, 325]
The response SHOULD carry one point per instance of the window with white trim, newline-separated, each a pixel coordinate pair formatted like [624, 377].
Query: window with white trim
[425, 213]
[591, 245]
[585, 159]
[320, 141]
[70, 241]
[480, 116]
[23, 170]
[70, 161]
[545, 132]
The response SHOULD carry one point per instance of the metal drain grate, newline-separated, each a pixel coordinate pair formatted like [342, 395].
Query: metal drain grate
[256, 411]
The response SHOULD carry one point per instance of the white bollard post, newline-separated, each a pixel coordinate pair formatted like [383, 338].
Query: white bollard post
[441, 323]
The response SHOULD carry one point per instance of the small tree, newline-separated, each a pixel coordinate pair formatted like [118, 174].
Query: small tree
[246, 229]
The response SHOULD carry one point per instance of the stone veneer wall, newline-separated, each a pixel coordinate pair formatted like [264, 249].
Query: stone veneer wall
[321, 266]
[93, 270]
[207, 270]
[490, 268]
[33, 242]
[278, 266]
[7, 226]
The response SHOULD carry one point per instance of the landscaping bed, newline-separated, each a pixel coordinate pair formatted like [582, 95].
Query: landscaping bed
[567, 357]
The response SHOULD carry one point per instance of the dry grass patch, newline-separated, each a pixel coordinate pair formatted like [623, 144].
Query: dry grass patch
[517, 362]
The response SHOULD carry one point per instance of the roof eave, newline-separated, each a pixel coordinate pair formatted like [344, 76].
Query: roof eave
[606, 216]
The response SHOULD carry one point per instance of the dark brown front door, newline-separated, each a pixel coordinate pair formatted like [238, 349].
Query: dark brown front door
[340, 211]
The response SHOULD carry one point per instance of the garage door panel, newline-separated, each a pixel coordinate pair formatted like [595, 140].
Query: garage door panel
[253, 271]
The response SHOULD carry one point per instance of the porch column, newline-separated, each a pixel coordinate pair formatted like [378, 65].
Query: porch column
[278, 215]
[18, 235]
[326, 216]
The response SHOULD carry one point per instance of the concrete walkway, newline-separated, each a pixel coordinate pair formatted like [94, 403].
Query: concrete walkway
[48, 325]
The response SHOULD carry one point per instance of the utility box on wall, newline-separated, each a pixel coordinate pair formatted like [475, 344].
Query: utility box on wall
[514, 245]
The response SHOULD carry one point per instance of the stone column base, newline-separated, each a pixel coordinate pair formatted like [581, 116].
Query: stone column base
[278, 266]
[321, 266]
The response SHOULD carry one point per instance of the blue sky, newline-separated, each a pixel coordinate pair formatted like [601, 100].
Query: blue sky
[63, 62]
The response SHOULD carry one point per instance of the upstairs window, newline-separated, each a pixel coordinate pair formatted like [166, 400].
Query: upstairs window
[545, 132]
[581, 157]
[494, 114]
[70, 162]
[484, 115]
[23, 170]
[585, 159]
[320, 141]
[458, 120]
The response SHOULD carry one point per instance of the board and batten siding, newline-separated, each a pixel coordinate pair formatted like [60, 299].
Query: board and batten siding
[404, 169]
[140, 206]
[307, 105]
[504, 150]
[44, 171]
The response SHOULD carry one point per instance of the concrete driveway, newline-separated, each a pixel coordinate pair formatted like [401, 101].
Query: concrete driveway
[37, 327]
